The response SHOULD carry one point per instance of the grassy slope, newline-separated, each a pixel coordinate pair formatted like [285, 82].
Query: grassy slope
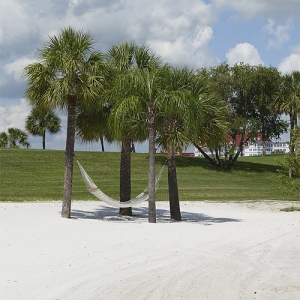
[29, 175]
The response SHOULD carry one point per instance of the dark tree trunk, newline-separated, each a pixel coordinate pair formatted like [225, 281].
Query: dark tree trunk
[132, 147]
[69, 157]
[213, 162]
[102, 143]
[151, 201]
[44, 140]
[173, 187]
[232, 160]
[125, 174]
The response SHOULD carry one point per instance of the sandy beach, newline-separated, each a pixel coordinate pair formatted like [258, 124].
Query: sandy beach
[221, 250]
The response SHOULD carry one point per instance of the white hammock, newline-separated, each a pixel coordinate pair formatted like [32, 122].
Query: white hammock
[93, 189]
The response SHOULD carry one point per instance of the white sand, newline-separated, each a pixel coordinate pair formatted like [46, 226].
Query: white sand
[248, 250]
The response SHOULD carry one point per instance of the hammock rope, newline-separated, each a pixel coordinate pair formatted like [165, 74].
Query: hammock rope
[94, 190]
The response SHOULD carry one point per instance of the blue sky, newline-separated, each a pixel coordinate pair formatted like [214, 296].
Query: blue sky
[192, 33]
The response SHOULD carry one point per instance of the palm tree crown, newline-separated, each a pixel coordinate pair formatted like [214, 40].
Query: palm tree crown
[41, 120]
[70, 75]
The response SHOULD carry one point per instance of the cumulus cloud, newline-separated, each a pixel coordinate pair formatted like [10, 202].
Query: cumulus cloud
[178, 31]
[15, 69]
[245, 53]
[292, 62]
[14, 115]
[279, 32]
[191, 52]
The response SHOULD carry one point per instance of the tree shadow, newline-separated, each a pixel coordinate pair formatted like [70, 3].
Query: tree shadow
[248, 166]
[140, 214]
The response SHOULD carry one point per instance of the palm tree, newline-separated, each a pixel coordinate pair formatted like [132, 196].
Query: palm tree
[122, 59]
[41, 120]
[14, 138]
[92, 124]
[188, 105]
[70, 75]
[139, 95]
[288, 102]
[3, 140]
[171, 127]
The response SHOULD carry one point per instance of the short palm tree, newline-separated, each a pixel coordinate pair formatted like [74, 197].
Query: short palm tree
[3, 140]
[42, 120]
[70, 75]
[187, 113]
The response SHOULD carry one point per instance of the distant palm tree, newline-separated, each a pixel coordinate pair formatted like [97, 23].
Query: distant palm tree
[14, 138]
[41, 120]
[92, 125]
[70, 75]
[3, 140]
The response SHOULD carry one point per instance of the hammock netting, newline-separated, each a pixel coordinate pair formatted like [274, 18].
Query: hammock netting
[94, 190]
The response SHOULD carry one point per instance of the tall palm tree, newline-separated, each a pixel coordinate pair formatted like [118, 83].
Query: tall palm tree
[41, 120]
[70, 75]
[139, 95]
[14, 138]
[122, 59]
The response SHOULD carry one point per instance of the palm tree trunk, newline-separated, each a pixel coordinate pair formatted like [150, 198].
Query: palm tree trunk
[102, 143]
[67, 196]
[132, 147]
[125, 174]
[173, 186]
[151, 201]
[293, 123]
[44, 140]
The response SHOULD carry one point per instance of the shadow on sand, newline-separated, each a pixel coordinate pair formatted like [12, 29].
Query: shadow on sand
[105, 213]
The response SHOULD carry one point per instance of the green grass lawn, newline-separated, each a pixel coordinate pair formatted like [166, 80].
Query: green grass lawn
[30, 175]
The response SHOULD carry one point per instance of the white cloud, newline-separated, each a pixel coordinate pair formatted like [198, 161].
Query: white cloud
[14, 115]
[187, 51]
[292, 62]
[245, 53]
[182, 26]
[280, 33]
[15, 69]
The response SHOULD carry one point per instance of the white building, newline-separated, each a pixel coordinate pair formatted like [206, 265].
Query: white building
[254, 148]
